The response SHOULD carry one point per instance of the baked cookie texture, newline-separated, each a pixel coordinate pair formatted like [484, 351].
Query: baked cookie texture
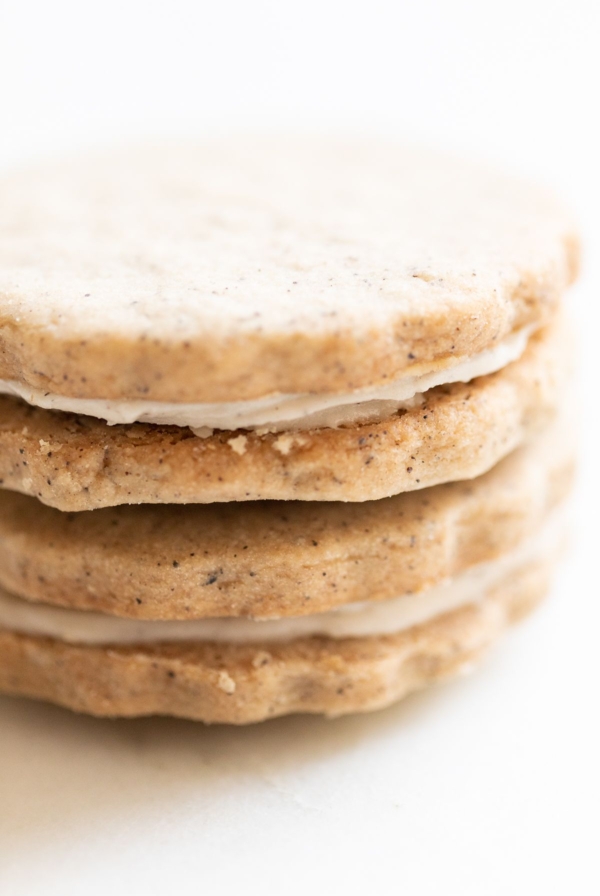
[270, 559]
[240, 684]
[296, 272]
[459, 432]
[232, 270]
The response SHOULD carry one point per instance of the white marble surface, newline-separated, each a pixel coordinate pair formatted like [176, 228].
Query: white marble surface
[485, 786]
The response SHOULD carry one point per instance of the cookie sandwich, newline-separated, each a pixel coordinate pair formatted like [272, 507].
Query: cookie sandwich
[280, 423]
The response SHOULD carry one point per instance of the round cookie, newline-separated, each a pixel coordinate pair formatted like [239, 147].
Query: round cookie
[269, 559]
[458, 432]
[247, 683]
[233, 269]
[318, 320]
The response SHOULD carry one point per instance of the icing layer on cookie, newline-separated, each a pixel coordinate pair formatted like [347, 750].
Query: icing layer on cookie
[352, 620]
[274, 413]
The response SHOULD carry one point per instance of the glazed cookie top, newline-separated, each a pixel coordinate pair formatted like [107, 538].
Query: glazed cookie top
[234, 269]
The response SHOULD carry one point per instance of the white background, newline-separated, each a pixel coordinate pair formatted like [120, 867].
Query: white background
[488, 785]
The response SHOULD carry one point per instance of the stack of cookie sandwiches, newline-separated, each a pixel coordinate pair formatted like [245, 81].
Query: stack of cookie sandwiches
[281, 423]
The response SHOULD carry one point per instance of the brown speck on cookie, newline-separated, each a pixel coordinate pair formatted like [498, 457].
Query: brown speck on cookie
[262, 658]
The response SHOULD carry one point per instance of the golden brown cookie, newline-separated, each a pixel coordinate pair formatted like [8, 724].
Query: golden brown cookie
[234, 269]
[271, 558]
[248, 683]
[273, 323]
[459, 432]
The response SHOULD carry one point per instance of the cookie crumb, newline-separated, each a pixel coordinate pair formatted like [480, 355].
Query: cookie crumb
[285, 443]
[49, 448]
[238, 444]
[226, 683]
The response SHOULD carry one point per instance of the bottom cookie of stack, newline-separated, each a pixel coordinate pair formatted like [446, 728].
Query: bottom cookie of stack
[247, 682]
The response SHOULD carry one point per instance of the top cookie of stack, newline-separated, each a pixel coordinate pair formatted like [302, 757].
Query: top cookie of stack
[290, 319]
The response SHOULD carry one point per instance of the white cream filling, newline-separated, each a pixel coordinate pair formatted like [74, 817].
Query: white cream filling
[351, 620]
[284, 412]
